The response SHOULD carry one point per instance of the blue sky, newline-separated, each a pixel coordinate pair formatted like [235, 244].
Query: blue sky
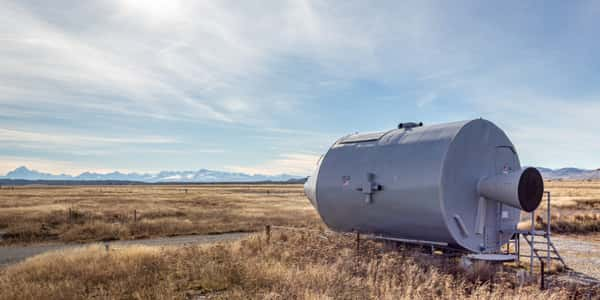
[267, 86]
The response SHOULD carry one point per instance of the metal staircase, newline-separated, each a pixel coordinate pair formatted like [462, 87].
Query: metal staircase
[539, 242]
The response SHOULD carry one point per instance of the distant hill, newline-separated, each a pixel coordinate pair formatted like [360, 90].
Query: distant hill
[202, 175]
[570, 174]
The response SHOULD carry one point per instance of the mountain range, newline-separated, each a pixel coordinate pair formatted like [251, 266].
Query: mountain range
[202, 175]
[570, 174]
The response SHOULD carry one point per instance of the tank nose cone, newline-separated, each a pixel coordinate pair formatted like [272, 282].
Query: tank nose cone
[310, 187]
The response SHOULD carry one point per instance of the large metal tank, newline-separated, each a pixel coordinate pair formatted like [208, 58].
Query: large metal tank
[457, 184]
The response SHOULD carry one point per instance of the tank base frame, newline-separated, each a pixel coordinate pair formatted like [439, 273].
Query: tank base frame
[513, 253]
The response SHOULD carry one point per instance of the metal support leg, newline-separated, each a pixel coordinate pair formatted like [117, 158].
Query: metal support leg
[548, 231]
[518, 248]
[542, 279]
[532, 229]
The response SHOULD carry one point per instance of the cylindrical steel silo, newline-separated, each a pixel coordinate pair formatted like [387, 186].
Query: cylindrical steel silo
[459, 184]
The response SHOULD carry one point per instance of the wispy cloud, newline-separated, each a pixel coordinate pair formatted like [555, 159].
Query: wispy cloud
[20, 136]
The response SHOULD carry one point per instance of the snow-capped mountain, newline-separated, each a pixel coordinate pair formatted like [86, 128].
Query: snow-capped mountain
[202, 175]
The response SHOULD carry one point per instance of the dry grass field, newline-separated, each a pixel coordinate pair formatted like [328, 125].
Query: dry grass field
[41, 213]
[292, 266]
[575, 206]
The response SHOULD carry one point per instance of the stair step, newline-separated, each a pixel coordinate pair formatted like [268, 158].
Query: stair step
[544, 257]
[544, 240]
[544, 250]
[535, 232]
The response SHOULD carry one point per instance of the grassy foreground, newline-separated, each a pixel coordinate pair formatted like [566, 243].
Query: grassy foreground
[291, 266]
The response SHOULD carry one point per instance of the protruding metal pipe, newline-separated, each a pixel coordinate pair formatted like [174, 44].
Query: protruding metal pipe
[522, 189]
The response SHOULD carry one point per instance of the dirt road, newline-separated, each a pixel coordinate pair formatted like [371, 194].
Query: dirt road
[13, 254]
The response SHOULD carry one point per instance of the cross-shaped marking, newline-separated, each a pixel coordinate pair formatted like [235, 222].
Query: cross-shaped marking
[368, 187]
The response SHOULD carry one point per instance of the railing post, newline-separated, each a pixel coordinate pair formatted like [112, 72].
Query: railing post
[542, 280]
[518, 248]
[532, 233]
[548, 230]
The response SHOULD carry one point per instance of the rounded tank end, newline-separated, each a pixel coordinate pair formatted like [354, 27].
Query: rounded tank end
[531, 189]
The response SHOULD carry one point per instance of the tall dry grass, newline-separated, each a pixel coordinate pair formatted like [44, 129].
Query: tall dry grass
[575, 207]
[575, 223]
[291, 266]
[41, 213]
[574, 194]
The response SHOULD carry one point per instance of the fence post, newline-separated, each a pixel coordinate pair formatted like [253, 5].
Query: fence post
[268, 232]
[542, 284]
[357, 242]
[135, 216]
[70, 216]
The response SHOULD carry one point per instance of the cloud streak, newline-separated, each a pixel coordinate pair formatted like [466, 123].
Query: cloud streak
[20, 136]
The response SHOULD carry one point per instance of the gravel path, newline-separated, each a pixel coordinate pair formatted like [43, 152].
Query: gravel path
[581, 253]
[13, 254]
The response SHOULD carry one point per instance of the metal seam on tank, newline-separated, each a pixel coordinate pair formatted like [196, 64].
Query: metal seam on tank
[381, 137]
[441, 189]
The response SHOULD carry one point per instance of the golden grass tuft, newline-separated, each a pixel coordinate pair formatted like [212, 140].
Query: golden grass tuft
[579, 223]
